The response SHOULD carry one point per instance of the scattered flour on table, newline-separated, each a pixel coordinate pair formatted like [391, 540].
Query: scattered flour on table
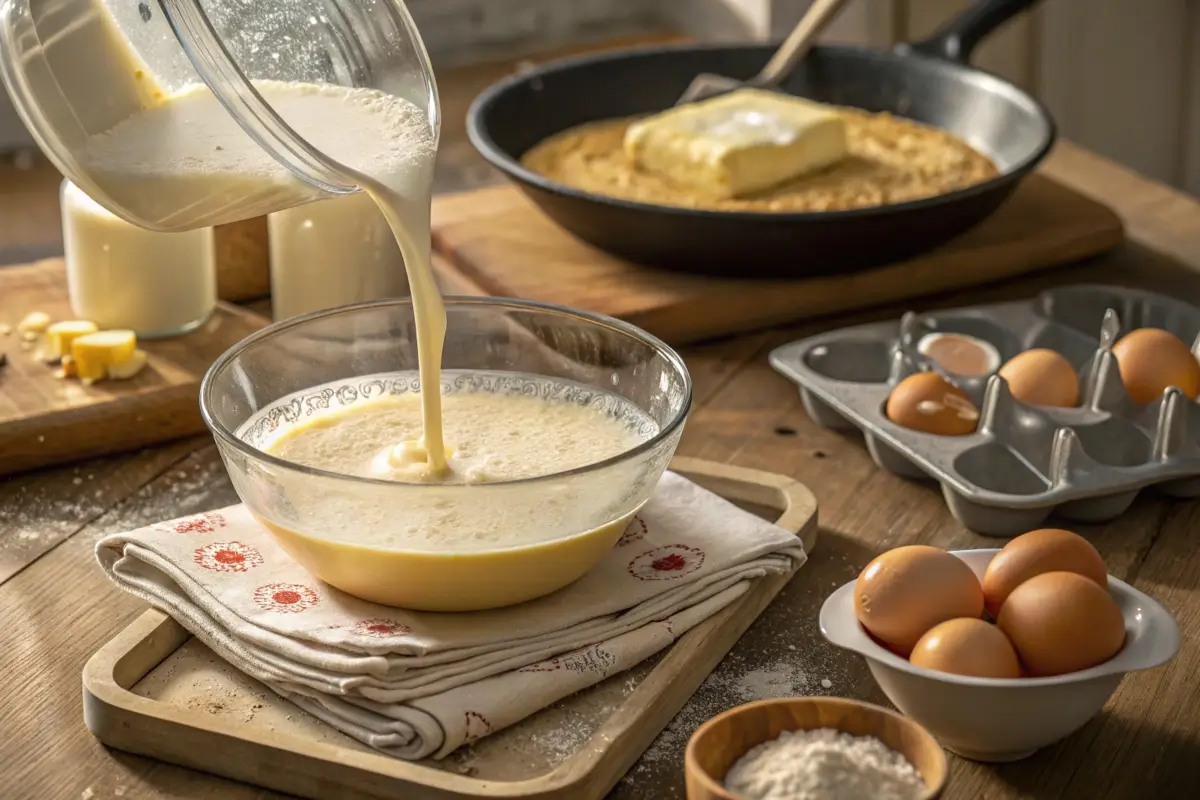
[824, 765]
[198, 484]
[36, 513]
[561, 742]
[543, 741]
[804, 664]
[780, 679]
[798, 672]
[37, 516]
[532, 747]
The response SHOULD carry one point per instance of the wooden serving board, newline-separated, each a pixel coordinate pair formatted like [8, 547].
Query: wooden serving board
[45, 420]
[495, 242]
[156, 691]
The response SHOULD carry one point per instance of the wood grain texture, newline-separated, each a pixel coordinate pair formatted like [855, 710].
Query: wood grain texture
[40, 510]
[721, 741]
[500, 243]
[1155, 214]
[45, 420]
[293, 758]
[60, 609]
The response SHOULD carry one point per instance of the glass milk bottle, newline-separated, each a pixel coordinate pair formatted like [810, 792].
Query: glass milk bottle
[330, 253]
[183, 114]
[122, 276]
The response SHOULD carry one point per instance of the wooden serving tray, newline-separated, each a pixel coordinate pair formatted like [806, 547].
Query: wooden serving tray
[45, 420]
[156, 691]
[495, 242]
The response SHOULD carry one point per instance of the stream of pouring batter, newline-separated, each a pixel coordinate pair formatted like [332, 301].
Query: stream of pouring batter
[429, 314]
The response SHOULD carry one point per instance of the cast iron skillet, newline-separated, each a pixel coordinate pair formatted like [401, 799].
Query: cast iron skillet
[929, 82]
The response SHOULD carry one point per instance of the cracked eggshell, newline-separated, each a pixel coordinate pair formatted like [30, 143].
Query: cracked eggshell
[960, 354]
[929, 403]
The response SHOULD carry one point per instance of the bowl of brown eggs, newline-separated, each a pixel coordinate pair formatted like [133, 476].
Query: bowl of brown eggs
[999, 653]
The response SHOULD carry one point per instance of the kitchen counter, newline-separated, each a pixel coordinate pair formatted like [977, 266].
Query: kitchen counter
[57, 607]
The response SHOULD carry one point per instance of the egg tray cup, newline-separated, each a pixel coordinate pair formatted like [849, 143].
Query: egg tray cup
[1023, 462]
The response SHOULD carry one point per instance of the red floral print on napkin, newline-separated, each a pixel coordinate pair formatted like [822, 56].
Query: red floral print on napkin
[227, 557]
[290, 598]
[380, 628]
[208, 522]
[666, 563]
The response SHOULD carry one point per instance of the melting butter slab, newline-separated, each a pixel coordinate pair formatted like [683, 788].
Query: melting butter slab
[739, 143]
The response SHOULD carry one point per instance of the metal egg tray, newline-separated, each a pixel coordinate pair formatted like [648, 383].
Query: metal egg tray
[1024, 462]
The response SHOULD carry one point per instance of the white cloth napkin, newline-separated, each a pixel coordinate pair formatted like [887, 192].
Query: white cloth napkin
[415, 684]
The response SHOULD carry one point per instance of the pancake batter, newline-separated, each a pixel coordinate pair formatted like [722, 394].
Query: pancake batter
[492, 439]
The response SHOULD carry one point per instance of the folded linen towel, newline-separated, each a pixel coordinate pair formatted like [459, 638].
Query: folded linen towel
[414, 684]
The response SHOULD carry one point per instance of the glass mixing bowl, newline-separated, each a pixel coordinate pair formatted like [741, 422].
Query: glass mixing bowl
[350, 531]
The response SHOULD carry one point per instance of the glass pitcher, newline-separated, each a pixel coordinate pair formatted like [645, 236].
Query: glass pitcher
[184, 114]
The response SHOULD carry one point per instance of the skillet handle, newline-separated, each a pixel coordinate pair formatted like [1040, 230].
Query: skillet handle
[957, 39]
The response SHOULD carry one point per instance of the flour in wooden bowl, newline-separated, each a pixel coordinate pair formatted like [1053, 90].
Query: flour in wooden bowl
[824, 764]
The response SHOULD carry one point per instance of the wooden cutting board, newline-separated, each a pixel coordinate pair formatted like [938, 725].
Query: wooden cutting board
[45, 420]
[495, 242]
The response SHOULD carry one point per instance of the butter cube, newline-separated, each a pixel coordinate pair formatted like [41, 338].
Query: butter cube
[738, 143]
[60, 335]
[33, 325]
[124, 370]
[93, 353]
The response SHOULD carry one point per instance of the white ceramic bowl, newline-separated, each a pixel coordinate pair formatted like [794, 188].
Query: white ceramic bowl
[990, 719]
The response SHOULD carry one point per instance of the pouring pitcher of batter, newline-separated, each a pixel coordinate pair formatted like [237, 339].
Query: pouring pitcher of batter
[182, 114]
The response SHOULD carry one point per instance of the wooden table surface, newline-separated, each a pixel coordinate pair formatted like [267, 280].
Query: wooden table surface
[57, 608]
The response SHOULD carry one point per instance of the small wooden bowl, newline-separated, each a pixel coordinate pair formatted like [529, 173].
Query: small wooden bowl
[725, 738]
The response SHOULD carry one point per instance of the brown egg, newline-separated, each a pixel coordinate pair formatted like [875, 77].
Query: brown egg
[967, 646]
[1042, 378]
[929, 403]
[1061, 622]
[1045, 550]
[904, 592]
[1151, 360]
